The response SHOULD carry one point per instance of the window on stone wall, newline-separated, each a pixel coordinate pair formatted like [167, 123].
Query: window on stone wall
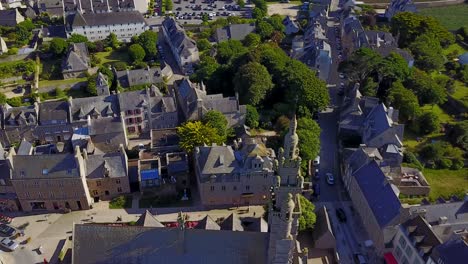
[98, 183]
[212, 188]
[119, 189]
[223, 188]
[117, 181]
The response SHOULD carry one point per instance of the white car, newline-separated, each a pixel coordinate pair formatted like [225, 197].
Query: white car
[330, 179]
[8, 243]
[317, 161]
[342, 76]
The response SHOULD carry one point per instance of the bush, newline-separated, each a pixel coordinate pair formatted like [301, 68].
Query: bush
[457, 164]
[445, 163]
[122, 201]
[410, 158]
[428, 123]
[140, 65]
[120, 66]
[107, 49]
[252, 117]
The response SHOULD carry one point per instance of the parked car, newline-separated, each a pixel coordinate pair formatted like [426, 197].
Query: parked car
[9, 243]
[317, 161]
[330, 178]
[342, 76]
[316, 174]
[6, 230]
[340, 213]
[316, 189]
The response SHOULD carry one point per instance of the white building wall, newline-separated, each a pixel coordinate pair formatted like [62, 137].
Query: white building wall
[124, 32]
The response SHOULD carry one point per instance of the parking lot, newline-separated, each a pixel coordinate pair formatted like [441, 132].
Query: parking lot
[192, 11]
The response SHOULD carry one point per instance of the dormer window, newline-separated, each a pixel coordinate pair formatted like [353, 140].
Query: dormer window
[22, 173]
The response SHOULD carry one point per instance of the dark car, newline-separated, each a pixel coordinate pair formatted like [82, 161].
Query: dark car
[341, 215]
[6, 230]
[179, 9]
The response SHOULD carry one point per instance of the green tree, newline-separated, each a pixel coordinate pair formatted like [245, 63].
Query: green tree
[195, 133]
[253, 82]
[369, 87]
[276, 21]
[59, 93]
[77, 38]
[302, 85]
[308, 132]
[408, 26]
[148, 40]
[252, 117]
[108, 73]
[218, 121]
[229, 50]
[3, 98]
[458, 134]
[169, 5]
[428, 123]
[58, 46]
[203, 44]
[136, 52]
[91, 87]
[251, 40]
[361, 64]
[120, 66]
[264, 29]
[428, 52]
[258, 13]
[308, 218]
[112, 41]
[405, 101]
[427, 90]
[205, 69]
[391, 68]
[241, 3]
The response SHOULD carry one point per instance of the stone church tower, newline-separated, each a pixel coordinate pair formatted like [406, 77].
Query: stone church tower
[284, 211]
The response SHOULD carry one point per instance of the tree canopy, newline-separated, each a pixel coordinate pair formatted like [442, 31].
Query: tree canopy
[308, 132]
[428, 52]
[428, 123]
[229, 50]
[251, 40]
[3, 98]
[405, 101]
[195, 133]
[426, 88]
[205, 69]
[252, 117]
[361, 64]
[459, 134]
[148, 40]
[218, 121]
[58, 46]
[253, 82]
[77, 38]
[308, 218]
[136, 52]
[264, 29]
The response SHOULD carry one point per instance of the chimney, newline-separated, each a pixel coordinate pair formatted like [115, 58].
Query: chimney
[108, 7]
[88, 119]
[442, 220]
[390, 112]
[91, 4]
[80, 7]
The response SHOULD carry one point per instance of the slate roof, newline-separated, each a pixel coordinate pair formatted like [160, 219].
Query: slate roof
[217, 160]
[164, 137]
[254, 224]
[452, 251]
[23, 115]
[234, 31]
[57, 110]
[129, 78]
[207, 223]
[100, 244]
[58, 166]
[8, 17]
[232, 223]
[419, 231]
[147, 219]
[25, 148]
[133, 100]
[455, 212]
[107, 134]
[102, 85]
[77, 58]
[103, 19]
[362, 155]
[104, 105]
[380, 197]
[178, 38]
[97, 164]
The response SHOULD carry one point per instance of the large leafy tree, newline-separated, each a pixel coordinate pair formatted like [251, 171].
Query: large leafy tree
[253, 82]
[459, 134]
[308, 218]
[77, 38]
[427, 89]
[428, 122]
[3, 98]
[405, 101]
[408, 26]
[391, 68]
[205, 69]
[264, 29]
[308, 132]
[302, 86]
[112, 41]
[136, 52]
[251, 40]
[428, 52]
[229, 50]
[218, 121]
[252, 117]
[195, 133]
[58, 46]
[148, 40]
[362, 63]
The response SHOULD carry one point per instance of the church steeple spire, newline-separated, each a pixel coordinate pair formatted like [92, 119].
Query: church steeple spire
[291, 140]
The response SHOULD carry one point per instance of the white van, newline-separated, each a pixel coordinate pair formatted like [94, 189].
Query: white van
[317, 161]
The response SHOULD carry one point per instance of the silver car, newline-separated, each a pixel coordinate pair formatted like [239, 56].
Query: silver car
[8, 243]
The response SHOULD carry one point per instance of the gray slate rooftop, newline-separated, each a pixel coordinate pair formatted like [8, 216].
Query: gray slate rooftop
[102, 19]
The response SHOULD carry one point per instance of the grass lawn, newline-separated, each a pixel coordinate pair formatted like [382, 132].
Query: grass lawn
[47, 83]
[443, 116]
[109, 57]
[461, 93]
[453, 17]
[447, 182]
[120, 202]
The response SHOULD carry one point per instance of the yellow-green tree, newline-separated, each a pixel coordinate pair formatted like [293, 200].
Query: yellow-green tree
[195, 133]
